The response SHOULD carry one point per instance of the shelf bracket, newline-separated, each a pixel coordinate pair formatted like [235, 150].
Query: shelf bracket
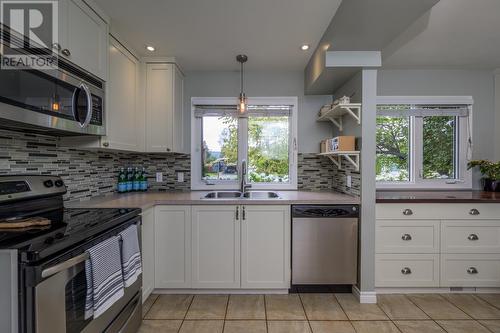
[337, 122]
[355, 114]
[354, 162]
[335, 161]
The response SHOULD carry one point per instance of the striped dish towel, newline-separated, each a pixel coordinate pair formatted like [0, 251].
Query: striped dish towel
[104, 277]
[131, 255]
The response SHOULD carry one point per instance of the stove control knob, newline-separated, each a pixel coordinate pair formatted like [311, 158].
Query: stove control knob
[59, 235]
[49, 240]
[59, 183]
[48, 183]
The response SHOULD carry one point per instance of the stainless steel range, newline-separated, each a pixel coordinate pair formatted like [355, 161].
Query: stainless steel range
[42, 269]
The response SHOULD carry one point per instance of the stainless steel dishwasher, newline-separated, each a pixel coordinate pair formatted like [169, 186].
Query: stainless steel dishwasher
[324, 244]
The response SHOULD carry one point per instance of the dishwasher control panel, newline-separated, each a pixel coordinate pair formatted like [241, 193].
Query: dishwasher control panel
[319, 211]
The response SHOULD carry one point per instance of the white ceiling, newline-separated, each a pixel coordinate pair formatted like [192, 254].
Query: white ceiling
[461, 34]
[208, 34]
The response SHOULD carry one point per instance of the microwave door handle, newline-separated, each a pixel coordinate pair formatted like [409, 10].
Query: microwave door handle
[64, 265]
[90, 107]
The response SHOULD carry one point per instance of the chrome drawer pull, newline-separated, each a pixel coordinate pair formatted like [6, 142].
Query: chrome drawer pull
[473, 237]
[406, 237]
[473, 211]
[406, 271]
[472, 270]
[407, 212]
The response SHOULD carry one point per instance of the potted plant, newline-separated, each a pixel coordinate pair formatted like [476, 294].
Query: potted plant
[491, 174]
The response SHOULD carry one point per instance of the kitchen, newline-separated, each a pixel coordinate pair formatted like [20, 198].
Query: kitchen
[300, 175]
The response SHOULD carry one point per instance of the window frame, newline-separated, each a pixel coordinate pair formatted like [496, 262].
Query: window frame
[463, 178]
[196, 170]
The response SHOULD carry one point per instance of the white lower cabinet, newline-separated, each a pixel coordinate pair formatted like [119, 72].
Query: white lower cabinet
[216, 247]
[222, 247]
[437, 245]
[173, 247]
[265, 247]
[148, 252]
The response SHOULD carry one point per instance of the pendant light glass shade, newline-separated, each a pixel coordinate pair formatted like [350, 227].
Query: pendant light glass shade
[242, 99]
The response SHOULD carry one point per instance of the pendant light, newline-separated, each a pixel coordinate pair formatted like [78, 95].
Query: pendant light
[242, 100]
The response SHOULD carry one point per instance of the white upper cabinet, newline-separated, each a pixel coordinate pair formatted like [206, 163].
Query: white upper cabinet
[164, 98]
[123, 121]
[83, 37]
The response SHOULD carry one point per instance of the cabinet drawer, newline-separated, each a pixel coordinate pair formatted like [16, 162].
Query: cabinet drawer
[407, 236]
[470, 237]
[438, 211]
[470, 270]
[407, 270]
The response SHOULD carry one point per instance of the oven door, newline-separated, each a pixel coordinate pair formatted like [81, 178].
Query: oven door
[59, 301]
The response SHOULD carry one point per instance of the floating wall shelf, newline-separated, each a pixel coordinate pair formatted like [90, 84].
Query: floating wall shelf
[350, 156]
[336, 113]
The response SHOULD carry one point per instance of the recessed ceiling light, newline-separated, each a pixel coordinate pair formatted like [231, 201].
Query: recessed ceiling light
[304, 47]
[150, 48]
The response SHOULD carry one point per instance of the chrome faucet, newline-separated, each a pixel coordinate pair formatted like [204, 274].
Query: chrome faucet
[243, 182]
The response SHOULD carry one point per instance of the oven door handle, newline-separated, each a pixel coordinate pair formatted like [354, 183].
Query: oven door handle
[64, 265]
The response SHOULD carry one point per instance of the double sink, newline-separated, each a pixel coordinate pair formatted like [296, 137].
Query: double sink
[237, 195]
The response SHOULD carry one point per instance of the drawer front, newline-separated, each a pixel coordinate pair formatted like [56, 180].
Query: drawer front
[407, 236]
[467, 237]
[438, 211]
[470, 270]
[407, 270]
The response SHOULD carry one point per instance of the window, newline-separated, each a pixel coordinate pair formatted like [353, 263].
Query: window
[423, 143]
[265, 138]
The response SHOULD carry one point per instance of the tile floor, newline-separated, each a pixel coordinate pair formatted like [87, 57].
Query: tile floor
[321, 313]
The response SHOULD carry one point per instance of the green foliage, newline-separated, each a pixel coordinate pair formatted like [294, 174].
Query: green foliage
[490, 170]
[393, 148]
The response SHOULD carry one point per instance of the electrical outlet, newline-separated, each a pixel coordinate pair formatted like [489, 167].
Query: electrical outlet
[349, 181]
[180, 177]
[159, 177]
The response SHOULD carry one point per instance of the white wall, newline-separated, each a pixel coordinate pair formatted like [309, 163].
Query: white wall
[476, 83]
[257, 84]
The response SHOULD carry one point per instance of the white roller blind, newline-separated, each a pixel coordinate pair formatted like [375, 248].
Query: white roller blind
[407, 110]
[232, 111]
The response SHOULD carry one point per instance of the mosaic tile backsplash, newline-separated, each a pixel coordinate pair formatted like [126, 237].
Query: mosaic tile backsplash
[93, 173]
[86, 173]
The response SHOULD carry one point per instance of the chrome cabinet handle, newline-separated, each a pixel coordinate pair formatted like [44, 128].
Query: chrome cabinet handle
[244, 213]
[472, 270]
[473, 237]
[66, 52]
[237, 213]
[56, 46]
[473, 211]
[406, 271]
[407, 212]
[406, 237]
[168, 149]
[105, 144]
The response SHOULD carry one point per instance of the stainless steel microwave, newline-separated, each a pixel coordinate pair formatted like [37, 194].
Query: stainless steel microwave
[62, 101]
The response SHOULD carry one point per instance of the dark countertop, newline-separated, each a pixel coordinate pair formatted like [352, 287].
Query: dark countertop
[417, 196]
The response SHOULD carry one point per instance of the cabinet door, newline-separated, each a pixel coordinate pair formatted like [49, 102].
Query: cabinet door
[86, 38]
[265, 247]
[121, 118]
[216, 247]
[148, 253]
[178, 129]
[173, 247]
[159, 107]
